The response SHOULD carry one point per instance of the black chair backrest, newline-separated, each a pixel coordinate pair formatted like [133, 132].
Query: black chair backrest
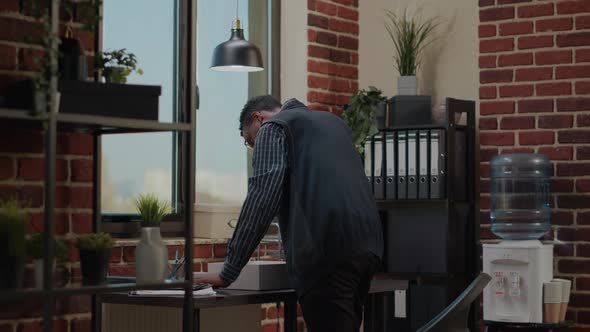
[454, 317]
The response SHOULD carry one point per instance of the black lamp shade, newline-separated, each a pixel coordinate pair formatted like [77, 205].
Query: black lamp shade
[237, 54]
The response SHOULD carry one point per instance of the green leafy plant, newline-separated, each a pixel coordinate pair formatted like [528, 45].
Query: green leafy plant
[116, 65]
[36, 248]
[410, 35]
[360, 115]
[47, 70]
[95, 242]
[12, 228]
[85, 12]
[152, 210]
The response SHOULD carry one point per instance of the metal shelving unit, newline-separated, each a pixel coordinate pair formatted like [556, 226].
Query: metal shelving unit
[450, 222]
[51, 122]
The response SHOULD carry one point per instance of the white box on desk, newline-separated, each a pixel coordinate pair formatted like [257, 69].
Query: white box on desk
[215, 221]
[258, 275]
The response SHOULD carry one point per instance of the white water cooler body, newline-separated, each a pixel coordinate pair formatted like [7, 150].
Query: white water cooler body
[518, 270]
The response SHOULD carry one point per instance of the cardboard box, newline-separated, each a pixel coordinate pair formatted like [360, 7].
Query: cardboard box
[258, 275]
[215, 221]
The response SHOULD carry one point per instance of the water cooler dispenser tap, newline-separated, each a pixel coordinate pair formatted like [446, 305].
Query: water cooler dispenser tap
[514, 284]
[499, 277]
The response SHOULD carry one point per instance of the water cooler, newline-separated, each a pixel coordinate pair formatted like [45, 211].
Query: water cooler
[520, 214]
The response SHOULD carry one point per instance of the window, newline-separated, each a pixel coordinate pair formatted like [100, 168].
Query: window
[141, 163]
[222, 159]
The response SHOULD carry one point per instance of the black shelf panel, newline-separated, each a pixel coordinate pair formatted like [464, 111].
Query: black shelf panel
[99, 125]
[17, 295]
[392, 203]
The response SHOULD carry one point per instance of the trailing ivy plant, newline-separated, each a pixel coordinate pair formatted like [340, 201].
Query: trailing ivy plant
[360, 115]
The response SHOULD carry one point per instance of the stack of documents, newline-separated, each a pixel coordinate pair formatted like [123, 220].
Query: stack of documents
[198, 290]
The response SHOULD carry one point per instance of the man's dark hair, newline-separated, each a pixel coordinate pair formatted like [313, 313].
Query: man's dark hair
[257, 104]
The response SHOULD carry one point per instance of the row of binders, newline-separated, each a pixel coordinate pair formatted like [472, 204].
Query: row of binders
[406, 164]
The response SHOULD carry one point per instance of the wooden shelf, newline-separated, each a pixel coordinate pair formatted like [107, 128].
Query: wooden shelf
[98, 125]
[17, 295]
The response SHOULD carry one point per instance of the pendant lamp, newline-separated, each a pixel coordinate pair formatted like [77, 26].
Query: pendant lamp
[237, 54]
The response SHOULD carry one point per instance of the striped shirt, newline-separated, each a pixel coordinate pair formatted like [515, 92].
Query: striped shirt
[265, 189]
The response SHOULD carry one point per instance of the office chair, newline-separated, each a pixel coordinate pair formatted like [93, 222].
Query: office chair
[454, 317]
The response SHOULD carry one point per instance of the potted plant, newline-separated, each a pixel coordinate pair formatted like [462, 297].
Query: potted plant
[12, 243]
[410, 36]
[35, 250]
[116, 65]
[151, 255]
[362, 114]
[95, 252]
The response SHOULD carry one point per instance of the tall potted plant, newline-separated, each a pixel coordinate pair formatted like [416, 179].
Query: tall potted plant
[36, 249]
[365, 115]
[151, 255]
[12, 243]
[410, 36]
[95, 252]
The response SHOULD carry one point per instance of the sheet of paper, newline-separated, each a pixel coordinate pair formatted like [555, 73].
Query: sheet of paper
[173, 292]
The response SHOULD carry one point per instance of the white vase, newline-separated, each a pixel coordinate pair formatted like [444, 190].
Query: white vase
[38, 263]
[151, 257]
[407, 86]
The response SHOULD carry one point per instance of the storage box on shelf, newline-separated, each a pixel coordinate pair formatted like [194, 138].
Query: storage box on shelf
[94, 98]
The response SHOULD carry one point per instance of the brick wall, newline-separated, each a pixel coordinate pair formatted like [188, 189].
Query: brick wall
[332, 51]
[535, 97]
[22, 173]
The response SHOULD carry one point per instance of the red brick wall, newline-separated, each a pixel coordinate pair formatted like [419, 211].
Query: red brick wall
[535, 97]
[332, 51]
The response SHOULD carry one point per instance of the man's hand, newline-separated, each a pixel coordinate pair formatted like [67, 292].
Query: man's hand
[214, 280]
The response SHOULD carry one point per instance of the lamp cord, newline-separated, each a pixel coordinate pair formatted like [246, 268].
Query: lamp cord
[237, 8]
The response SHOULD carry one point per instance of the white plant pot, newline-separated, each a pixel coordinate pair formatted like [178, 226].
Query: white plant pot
[151, 257]
[38, 263]
[407, 86]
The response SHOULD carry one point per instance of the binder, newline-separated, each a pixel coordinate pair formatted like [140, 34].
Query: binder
[378, 178]
[402, 154]
[369, 161]
[423, 181]
[412, 165]
[390, 190]
[437, 164]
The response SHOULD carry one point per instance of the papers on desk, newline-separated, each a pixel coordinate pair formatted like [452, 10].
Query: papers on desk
[173, 292]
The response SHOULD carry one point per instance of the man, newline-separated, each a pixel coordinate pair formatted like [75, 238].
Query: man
[307, 171]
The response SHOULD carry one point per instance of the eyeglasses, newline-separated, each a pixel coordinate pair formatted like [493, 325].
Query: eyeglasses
[249, 142]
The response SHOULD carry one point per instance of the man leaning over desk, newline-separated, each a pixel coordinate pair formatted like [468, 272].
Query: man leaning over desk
[307, 171]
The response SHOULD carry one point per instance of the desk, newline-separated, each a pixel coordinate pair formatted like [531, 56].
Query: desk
[225, 298]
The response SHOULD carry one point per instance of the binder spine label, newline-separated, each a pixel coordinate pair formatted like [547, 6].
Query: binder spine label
[411, 154]
[390, 154]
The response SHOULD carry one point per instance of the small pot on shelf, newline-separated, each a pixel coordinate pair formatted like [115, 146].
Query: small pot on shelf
[115, 74]
[407, 85]
[94, 265]
[38, 264]
[12, 270]
[95, 253]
